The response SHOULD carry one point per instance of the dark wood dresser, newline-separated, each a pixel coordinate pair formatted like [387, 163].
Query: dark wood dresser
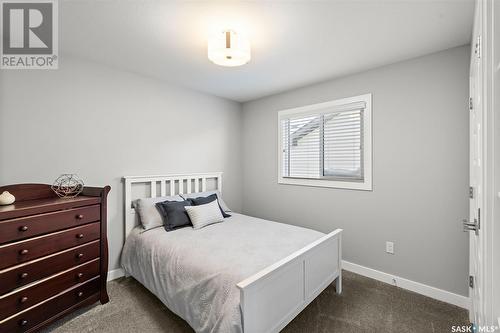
[53, 255]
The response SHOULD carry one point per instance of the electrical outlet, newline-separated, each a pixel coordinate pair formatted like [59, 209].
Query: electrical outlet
[389, 247]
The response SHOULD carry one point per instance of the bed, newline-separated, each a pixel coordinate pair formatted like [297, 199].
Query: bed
[242, 275]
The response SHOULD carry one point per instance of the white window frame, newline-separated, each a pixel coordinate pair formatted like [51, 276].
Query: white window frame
[366, 184]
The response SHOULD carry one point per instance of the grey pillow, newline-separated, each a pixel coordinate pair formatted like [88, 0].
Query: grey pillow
[174, 214]
[148, 213]
[206, 194]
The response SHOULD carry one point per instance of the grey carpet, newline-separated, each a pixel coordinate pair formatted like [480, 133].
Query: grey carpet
[365, 305]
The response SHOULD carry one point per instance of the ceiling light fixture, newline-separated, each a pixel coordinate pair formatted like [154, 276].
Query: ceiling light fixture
[229, 49]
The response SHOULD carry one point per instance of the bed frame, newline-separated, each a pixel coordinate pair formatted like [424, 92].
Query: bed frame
[271, 298]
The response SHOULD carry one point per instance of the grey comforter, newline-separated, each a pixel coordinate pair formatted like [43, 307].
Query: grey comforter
[195, 272]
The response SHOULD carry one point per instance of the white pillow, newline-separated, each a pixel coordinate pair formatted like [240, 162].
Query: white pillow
[203, 215]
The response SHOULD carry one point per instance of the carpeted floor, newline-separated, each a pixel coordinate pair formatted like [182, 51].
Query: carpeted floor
[365, 305]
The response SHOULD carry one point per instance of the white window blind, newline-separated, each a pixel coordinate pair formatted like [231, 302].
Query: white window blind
[324, 143]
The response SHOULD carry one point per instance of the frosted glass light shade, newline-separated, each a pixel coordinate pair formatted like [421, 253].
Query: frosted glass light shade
[229, 49]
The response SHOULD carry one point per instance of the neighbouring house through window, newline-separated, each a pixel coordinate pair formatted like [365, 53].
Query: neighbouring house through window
[327, 144]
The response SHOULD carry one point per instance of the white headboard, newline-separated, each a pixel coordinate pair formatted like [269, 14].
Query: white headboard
[176, 184]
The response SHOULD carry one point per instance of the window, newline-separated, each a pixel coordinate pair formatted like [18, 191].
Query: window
[327, 144]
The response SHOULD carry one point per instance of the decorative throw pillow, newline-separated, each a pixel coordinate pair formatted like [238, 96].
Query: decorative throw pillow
[174, 215]
[206, 194]
[148, 213]
[204, 215]
[204, 200]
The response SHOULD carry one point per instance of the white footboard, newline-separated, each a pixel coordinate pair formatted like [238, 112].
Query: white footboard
[271, 298]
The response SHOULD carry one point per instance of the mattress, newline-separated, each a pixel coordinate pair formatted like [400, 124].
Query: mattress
[195, 272]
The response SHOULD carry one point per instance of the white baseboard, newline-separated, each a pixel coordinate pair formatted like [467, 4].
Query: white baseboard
[432, 292]
[115, 274]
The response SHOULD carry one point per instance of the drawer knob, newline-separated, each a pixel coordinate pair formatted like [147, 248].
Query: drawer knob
[79, 255]
[23, 275]
[79, 275]
[79, 236]
[23, 252]
[23, 299]
[23, 228]
[79, 217]
[23, 322]
[80, 293]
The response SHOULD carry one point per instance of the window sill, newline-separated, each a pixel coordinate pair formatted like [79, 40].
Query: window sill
[361, 186]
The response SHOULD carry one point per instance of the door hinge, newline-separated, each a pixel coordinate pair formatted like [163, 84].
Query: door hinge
[471, 281]
[471, 104]
[473, 226]
[477, 48]
[471, 192]
[478, 221]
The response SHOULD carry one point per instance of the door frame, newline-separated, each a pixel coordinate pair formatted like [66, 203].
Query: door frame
[491, 160]
[477, 170]
[494, 70]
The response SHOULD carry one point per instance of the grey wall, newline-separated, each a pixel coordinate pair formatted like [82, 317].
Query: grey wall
[103, 124]
[420, 171]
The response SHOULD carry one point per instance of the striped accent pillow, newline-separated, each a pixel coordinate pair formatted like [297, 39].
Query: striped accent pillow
[204, 215]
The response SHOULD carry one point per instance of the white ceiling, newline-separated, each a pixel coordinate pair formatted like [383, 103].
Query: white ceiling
[294, 43]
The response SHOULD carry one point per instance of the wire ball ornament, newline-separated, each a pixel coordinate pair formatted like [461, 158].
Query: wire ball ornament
[67, 185]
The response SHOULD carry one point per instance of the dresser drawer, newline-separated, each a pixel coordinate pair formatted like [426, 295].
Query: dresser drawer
[20, 275]
[16, 229]
[22, 251]
[23, 298]
[38, 314]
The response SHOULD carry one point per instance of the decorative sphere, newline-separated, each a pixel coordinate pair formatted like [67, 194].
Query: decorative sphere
[67, 185]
